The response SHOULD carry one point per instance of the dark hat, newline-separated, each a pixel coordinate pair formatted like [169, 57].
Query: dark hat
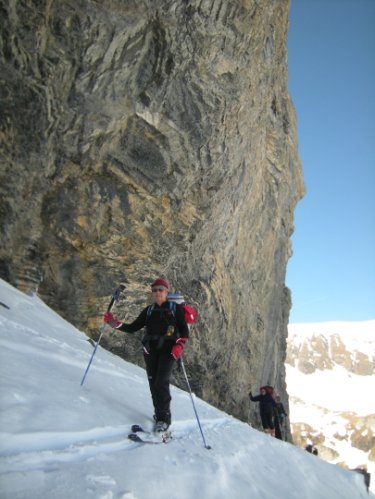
[161, 282]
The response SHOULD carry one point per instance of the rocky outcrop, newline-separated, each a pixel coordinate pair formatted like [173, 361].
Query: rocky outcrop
[357, 431]
[320, 352]
[154, 138]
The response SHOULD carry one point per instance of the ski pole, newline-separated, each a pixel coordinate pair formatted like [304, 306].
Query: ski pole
[192, 400]
[114, 297]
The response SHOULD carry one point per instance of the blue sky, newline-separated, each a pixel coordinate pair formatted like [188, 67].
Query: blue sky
[331, 53]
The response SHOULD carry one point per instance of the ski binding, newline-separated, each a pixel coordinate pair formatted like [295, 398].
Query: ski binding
[149, 437]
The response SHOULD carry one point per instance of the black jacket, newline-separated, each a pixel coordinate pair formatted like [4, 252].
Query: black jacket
[266, 402]
[164, 324]
[280, 409]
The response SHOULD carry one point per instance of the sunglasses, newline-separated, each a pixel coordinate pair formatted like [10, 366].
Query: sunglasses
[160, 288]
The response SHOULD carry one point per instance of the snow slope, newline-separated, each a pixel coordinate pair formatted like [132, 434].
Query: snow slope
[60, 440]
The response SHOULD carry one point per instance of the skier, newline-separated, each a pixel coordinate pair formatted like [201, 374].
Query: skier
[163, 343]
[280, 409]
[267, 406]
[280, 416]
[313, 450]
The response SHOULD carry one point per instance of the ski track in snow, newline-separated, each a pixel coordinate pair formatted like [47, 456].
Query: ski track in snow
[45, 450]
[68, 355]
[80, 363]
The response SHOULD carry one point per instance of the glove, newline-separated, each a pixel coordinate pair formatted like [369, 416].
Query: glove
[111, 320]
[178, 348]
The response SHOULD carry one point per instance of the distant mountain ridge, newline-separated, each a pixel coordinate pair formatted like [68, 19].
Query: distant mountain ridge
[324, 345]
[331, 384]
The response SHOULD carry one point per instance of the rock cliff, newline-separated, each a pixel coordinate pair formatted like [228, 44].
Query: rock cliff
[145, 138]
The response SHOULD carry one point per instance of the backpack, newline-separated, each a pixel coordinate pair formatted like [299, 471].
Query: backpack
[171, 307]
[190, 313]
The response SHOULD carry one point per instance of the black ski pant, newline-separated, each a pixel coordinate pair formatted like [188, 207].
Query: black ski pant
[159, 365]
[266, 415]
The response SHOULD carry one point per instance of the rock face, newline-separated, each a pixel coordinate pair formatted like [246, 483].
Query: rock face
[154, 138]
[319, 352]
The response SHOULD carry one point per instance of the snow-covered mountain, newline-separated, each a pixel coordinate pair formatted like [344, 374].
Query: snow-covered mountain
[60, 440]
[330, 371]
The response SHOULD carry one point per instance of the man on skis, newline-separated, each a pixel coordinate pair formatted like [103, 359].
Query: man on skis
[163, 343]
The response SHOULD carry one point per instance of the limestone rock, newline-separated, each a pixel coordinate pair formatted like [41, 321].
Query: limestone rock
[320, 352]
[154, 138]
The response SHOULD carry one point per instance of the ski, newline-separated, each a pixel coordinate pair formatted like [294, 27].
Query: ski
[138, 429]
[149, 437]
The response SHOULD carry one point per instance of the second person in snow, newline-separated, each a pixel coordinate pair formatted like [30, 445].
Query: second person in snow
[267, 407]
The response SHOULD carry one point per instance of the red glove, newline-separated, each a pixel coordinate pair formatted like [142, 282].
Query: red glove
[111, 320]
[178, 348]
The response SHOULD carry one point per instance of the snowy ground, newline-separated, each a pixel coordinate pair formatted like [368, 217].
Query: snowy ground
[60, 440]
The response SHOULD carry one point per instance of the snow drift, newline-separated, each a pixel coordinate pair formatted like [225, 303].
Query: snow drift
[61, 440]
